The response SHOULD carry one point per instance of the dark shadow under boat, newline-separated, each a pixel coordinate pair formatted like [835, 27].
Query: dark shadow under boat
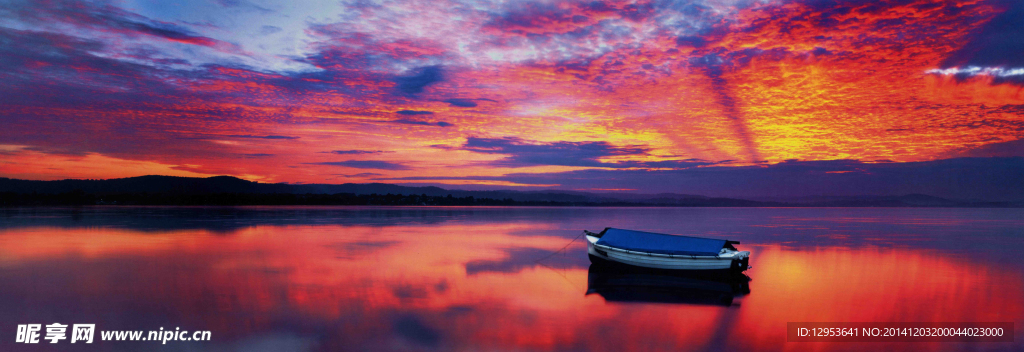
[622, 283]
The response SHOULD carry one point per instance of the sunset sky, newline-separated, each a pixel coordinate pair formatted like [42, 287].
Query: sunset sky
[524, 94]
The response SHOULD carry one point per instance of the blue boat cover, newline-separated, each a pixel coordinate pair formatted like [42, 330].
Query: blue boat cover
[660, 243]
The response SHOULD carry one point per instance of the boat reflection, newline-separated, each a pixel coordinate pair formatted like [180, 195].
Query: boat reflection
[619, 283]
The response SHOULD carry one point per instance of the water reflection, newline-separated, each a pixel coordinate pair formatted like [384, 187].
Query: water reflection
[323, 279]
[624, 284]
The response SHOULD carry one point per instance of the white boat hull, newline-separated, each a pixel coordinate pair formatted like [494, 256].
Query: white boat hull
[733, 260]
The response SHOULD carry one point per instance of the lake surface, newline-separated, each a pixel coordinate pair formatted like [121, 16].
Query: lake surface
[472, 279]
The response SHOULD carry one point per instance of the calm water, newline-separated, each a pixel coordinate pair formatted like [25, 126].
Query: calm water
[471, 279]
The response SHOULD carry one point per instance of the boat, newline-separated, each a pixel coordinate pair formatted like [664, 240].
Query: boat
[631, 284]
[663, 251]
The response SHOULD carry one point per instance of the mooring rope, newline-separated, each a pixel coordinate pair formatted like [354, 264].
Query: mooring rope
[563, 248]
[562, 274]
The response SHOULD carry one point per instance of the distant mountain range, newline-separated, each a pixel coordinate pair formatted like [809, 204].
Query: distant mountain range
[226, 190]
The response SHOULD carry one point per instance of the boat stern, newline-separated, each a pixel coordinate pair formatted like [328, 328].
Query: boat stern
[740, 262]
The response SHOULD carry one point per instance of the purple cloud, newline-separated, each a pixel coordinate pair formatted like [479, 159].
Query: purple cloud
[415, 84]
[415, 112]
[522, 153]
[366, 164]
[355, 152]
[462, 103]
